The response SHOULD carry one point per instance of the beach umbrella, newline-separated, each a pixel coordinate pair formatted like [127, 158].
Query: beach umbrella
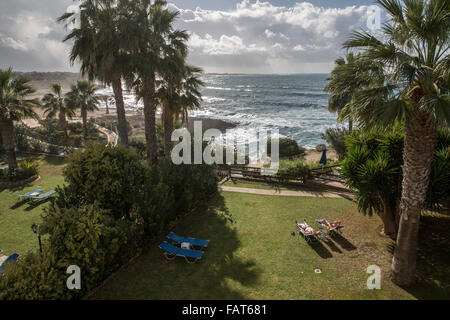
[323, 160]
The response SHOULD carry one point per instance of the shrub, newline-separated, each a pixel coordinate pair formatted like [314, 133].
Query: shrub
[140, 146]
[336, 137]
[293, 170]
[86, 237]
[26, 169]
[113, 204]
[110, 176]
[288, 148]
[372, 167]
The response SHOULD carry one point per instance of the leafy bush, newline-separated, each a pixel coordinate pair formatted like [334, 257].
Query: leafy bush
[293, 170]
[336, 137]
[372, 167]
[140, 146]
[112, 206]
[110, 176]
[288, 148]
[26, 169]
[86, 237]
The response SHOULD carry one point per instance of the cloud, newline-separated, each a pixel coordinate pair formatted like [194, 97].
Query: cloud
[30, 37]
[282, 39]
[254, 37]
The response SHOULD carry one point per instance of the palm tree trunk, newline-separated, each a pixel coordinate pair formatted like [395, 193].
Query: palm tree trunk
[350, 125]
[150, 121]
[420, 141]
[186, 118]
[122, 126]
[107, 106]
[84, 117]
[63, 124]
[168, 129]
[7, 130]
[388, 218]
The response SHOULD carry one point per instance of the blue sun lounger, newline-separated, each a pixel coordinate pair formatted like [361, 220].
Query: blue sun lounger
[171, 252]
[12, 257]
[30, 194]
[192, 241]
[44, 195]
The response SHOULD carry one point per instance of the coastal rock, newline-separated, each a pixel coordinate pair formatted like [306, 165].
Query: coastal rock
[320, 147]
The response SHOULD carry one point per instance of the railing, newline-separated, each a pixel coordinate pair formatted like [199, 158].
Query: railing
[254, 173]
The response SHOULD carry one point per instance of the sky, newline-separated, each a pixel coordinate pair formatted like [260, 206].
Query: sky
[226, 36]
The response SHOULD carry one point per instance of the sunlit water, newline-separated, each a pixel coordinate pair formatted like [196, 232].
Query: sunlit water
[296, 105]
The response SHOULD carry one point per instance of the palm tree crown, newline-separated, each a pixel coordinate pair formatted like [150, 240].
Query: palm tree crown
[413, 89]
[54, 104]
[82, 96]
[14, 106]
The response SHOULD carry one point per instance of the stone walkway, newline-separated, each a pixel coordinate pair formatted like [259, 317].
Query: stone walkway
[288, 193]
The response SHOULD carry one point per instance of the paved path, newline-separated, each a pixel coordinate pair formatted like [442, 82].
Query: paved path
[288, 193]
[111, 135]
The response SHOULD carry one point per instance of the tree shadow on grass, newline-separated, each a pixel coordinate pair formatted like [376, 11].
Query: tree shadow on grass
[54, 160]
[221, 274]
[433, 258]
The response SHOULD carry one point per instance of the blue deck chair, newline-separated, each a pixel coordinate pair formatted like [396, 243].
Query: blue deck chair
[12, 257]
[192, 241]
[28, 194]
[44, 195]
[171, 252]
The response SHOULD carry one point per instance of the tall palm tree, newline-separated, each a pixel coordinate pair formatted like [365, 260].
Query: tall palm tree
[53, 104]
[14, 106]
[105, 99]
[100, 46]
[178, 93]
[82, 96]
[415, 91]
[350, 75]
[190, 95]
[152, 28]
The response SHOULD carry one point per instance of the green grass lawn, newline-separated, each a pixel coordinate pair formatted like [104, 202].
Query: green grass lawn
[252, 255]
[16, 217]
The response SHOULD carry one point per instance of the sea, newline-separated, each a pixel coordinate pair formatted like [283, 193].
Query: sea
[296, 105]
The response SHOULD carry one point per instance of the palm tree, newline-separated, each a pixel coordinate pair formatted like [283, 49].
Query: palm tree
[350, 75]
[154, 36]
[178, 92]
[82, 96]
[105, 99]
[53, 104]
[414, 52]
[14, 106]
[100, 45]
[190, 97]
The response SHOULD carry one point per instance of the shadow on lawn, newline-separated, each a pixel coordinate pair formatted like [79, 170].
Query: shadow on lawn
[343, 242]
[320, 249]
[433, 258]
[218, 275]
